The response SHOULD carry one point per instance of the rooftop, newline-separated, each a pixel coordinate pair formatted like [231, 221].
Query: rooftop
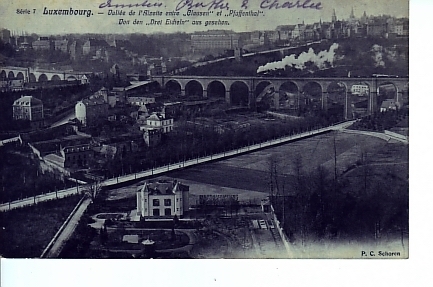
[27, 101]
[93, 101]
[164, 187]
[55, 159]
[156, 117]
[135, 84]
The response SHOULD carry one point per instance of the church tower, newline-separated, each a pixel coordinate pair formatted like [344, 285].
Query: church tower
[364, 18]
[334, 16]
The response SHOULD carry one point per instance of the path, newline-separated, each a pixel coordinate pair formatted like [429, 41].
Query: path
[383, 136]
[55, 247]
[180, 165]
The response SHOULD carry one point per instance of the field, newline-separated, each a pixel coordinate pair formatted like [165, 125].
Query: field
[25, 232]
[248, 175]
[251, 171]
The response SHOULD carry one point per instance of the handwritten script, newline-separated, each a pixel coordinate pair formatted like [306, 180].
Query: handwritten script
[219, 4]
[211, 5]
[145, 4]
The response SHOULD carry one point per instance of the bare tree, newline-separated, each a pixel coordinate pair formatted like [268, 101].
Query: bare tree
[92, 189]
[302, 196]
[335, 162]
[366, 170]
[298, 170]
[273, 178]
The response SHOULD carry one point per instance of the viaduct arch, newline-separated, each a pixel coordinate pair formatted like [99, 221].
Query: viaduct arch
[38, 75]
[296, 87]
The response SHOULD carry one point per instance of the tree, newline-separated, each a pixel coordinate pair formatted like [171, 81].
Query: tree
[273, 181]
[103, 234]
[92, 189]
[175, 220]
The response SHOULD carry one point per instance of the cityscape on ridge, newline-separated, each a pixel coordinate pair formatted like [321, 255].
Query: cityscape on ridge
[284, 143]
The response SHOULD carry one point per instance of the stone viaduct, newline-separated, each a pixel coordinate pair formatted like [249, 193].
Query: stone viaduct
[31, 75]
[256, 86]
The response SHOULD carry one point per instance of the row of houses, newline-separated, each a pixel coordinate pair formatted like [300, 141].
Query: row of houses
[153, 119]
[381, 26]
[75, 151]
[89, 111]
[95, 48]
[364, 27]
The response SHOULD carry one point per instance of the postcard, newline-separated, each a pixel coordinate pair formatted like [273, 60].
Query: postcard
[204, 129]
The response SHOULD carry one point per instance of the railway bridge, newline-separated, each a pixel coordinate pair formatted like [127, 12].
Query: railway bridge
[248, 91]
[32, 75]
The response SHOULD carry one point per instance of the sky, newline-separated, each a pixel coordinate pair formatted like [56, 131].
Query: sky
[268, 19]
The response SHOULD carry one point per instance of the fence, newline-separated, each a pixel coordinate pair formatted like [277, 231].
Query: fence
[182, 164]
[281, 232]
[61, 229]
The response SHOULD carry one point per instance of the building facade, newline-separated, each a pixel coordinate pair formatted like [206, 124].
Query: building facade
[152, 136]
[162, 199]
[214, 40]
[28, 108]
[77, 155]
[159, 121]
[61, 45]
[360, 90]
[5, 35]
[140, 100]
[90, 111]
[43, 43]
[92, 45]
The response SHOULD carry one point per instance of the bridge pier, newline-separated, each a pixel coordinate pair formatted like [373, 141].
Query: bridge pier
[277, 101]
[399, 96]
[251, 99]
[372, 102]
[205, 94]
[348, 106]
[324, 101]
[227, 97]
[182, 92]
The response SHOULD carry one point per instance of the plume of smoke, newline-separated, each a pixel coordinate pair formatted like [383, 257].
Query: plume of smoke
[378, 55]
[319, 60]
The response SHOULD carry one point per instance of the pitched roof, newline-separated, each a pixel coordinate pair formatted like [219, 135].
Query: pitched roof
[165, 187]
[55, 158]
[27, 101]
[135, 84]
[156, 117]
[93, 101]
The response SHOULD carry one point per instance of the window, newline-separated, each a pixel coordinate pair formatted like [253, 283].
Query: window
[156, 202]
[156, 212]
[167, 211]
[167, 202]
[177, 199]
